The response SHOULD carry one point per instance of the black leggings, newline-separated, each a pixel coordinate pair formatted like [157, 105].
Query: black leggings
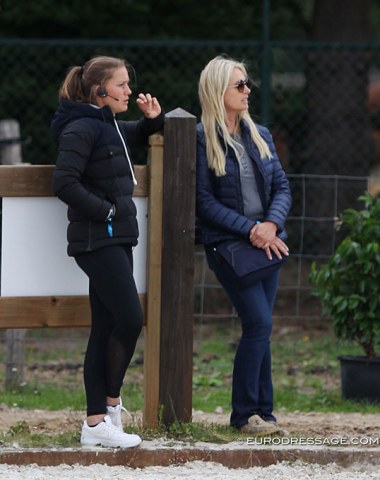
[116, 322]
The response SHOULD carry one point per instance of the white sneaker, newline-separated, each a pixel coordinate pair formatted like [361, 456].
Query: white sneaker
[107, 435]
[115, 415]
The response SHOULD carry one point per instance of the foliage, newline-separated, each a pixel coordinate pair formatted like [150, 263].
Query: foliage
[149, 19]
[349, 283]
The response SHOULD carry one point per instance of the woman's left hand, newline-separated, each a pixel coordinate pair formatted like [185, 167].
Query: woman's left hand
[148, 105]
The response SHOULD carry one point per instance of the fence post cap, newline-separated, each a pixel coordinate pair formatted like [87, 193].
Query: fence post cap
[179, 113]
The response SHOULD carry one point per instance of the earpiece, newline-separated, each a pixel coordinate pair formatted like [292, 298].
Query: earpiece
[101, 92]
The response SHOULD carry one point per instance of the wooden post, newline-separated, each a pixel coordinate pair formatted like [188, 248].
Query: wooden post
[153, 302]
[14, 359]
[170, 177]
[176, 331]
[10, 154]
[10, 142]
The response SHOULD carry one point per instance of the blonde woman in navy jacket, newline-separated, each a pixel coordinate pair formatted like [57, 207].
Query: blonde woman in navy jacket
[242, 192]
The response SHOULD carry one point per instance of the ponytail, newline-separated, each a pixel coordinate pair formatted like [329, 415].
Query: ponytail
[72, 87]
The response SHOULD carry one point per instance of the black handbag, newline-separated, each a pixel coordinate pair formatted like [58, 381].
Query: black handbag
[247, 263]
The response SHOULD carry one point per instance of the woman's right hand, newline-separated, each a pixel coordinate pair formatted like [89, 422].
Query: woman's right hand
[278, 247]
[149, 105]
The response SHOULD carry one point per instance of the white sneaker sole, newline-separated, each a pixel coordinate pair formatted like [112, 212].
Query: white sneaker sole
[109, 444]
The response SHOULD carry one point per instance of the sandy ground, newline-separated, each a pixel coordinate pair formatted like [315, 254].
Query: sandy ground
[356, 426]
[191, 471]
[362, 427]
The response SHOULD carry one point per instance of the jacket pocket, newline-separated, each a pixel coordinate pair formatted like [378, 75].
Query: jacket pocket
[125, 207]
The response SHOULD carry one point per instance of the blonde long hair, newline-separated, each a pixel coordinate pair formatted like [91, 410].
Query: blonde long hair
[213, 83]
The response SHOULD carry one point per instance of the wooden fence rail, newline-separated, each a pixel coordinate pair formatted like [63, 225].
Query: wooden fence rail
[168, 182]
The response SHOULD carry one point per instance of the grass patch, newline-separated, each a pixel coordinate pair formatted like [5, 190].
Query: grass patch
[189, 433]
[21, 434]
[193, 432]
[47, 397]
[305, 374]
[305, 367]
[306, 371]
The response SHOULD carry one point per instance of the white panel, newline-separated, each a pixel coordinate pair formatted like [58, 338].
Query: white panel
[34, 258]
[140, 251]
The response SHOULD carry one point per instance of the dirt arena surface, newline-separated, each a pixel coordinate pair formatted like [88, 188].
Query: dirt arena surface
[351, 434]
[323, 425]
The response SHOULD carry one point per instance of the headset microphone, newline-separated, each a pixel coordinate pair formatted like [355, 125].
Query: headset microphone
[102, 93]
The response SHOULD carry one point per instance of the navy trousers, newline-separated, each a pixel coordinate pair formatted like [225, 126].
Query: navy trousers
[252, 389]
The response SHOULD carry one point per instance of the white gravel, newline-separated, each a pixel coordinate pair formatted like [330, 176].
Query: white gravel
[192, 471]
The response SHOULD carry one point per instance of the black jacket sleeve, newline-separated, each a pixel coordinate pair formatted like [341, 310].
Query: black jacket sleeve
[137, 132]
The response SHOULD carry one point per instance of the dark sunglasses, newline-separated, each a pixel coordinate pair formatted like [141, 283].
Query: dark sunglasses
[243, 83]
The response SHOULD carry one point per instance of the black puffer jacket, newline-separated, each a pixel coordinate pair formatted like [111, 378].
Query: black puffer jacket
[93, 172]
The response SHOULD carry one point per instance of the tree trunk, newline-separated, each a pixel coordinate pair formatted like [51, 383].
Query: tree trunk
[337, 90]
[339, 133]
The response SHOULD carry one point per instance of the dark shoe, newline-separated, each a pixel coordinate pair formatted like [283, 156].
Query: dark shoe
[269, 418]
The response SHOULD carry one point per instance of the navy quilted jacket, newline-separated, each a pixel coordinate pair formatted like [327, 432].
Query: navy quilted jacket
[219, 200]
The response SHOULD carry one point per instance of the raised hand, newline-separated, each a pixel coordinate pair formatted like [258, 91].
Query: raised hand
[148, 105]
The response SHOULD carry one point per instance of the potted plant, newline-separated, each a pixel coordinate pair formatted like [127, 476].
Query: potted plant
[348, 286]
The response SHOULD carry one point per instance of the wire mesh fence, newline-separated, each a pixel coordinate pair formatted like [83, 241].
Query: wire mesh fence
[320, 101]
[311, 238]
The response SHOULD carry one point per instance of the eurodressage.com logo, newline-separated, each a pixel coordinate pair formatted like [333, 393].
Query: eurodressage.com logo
[319, 441]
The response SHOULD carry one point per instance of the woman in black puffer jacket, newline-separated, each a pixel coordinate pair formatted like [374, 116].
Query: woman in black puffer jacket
[94, 177]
